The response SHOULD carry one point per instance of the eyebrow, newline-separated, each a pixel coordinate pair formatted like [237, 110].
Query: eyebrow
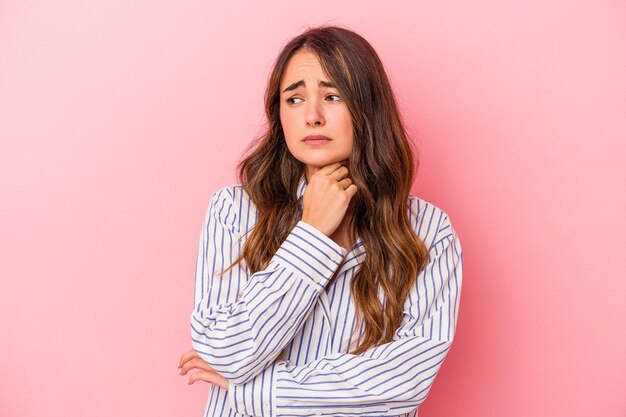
[302, 84]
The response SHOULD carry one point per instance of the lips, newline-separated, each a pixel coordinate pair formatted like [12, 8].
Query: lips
[316, 139]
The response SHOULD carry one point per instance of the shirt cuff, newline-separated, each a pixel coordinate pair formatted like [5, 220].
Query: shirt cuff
[311, 253]
[256, 397]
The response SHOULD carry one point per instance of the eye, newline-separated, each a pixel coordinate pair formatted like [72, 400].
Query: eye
[330, 97]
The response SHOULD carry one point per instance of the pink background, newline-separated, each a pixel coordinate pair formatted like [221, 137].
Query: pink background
[119, 119]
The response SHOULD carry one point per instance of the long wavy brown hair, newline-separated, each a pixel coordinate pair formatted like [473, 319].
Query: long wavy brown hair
[381, 166]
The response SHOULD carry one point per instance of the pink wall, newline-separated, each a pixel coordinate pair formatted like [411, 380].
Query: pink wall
[119, 119]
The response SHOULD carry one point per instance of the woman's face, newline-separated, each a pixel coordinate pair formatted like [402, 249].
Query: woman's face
[310, 106]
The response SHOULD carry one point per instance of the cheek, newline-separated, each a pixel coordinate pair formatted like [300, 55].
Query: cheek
[286, 121]
[347, 128]
[344, 120]
[290, 135]
[281, 118]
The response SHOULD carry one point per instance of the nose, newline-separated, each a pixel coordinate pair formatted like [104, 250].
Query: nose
[314, 113]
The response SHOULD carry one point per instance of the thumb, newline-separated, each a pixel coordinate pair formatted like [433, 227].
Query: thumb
[351, 190]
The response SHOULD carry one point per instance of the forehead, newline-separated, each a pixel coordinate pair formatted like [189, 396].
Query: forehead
[302, 64]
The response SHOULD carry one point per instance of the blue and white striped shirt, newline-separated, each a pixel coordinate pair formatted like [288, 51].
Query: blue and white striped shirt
[241, 322]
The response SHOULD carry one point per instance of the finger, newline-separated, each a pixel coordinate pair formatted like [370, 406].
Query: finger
[327, 169]
[187, 356]
[351, 190]
[345, 183]
[210, 377]
[339, 173]
[195, 363]
[206, 376]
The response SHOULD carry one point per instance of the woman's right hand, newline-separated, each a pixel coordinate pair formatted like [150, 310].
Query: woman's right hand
[326, 198]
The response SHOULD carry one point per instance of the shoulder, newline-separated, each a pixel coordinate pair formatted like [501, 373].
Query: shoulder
[232, 207]
[430, 222]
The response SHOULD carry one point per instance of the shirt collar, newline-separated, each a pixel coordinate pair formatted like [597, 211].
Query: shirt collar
[301, 187]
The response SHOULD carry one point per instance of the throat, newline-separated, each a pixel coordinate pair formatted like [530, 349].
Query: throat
[344, 239]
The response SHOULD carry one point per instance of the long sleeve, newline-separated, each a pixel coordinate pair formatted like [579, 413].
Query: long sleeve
[240, 324]
[390, 379]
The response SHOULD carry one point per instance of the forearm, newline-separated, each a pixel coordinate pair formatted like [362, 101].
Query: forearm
[239, 339]
[394, 383]
[389, 380]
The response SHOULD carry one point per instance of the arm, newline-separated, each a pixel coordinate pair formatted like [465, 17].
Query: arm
[390, 379]
[240, 324]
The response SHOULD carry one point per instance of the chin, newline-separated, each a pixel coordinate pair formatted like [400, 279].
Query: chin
[321, 160]
[320, 164]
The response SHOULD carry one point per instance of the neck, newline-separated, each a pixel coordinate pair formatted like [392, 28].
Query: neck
[344, 235]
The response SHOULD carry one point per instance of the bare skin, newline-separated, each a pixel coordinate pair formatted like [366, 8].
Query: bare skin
[326, 201]
[191, 360]
[325, 204]
[311, 109]
[342, 236]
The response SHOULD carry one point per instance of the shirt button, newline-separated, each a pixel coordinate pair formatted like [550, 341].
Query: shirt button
[240, 294]
[318, 412]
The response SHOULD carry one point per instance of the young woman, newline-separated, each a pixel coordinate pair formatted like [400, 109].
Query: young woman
[322, 286]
